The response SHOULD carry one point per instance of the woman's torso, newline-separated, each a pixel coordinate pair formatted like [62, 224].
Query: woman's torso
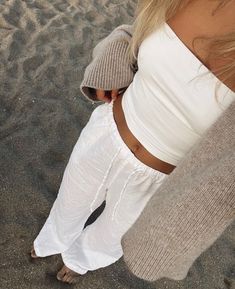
[184, 33]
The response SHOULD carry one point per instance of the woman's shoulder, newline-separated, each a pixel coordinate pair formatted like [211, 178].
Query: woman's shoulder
[208, 20]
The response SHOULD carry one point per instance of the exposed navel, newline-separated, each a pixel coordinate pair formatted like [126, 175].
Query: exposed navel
[135, 148]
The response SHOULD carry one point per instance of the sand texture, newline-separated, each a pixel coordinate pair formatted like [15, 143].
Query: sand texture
[44, 48]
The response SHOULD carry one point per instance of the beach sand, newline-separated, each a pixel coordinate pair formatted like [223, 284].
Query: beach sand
[44, 48]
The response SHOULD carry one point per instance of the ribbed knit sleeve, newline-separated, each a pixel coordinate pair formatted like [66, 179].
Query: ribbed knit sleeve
[190, 210]
[110, 67]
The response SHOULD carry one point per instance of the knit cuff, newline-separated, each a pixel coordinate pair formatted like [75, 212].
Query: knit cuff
[110, 70]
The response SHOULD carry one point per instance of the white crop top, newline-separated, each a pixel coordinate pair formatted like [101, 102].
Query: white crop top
[171, 100]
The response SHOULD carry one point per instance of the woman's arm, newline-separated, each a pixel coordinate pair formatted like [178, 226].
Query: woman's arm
[189, 211]
[110, 68]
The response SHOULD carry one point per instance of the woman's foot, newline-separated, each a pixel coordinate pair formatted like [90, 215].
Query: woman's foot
[67, 275]
[33, 254]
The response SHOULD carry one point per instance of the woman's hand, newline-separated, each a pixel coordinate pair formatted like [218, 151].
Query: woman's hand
[107, 96]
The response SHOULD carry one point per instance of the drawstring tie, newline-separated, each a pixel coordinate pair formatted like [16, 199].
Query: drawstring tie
[104, 179]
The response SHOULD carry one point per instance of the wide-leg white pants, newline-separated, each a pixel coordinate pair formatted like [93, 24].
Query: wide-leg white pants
[101, 167]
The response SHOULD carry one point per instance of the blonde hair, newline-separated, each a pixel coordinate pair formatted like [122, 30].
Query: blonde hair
[150, 14]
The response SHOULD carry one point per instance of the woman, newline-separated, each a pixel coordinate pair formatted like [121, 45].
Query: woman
[136, 139]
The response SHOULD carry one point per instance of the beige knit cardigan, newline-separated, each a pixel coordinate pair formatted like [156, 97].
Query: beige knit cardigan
[195, 204]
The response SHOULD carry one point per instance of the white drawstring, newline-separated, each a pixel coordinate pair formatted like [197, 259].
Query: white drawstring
[104, 179]
[122, 192]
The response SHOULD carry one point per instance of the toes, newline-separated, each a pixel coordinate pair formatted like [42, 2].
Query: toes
[33, 253]
[71, 276]
[70, 279]
[67, 275]
[67, 278]
[61, 273]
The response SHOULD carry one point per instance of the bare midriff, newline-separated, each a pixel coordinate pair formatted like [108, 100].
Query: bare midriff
[134, 145]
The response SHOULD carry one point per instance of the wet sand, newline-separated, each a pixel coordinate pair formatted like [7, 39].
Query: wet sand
[44, 48]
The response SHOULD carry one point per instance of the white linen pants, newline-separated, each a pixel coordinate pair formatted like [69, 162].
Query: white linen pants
[101, 167]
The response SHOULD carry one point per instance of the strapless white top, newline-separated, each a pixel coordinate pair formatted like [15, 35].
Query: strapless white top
[172, 99]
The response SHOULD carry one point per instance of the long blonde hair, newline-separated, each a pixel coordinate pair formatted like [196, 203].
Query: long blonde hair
[150, 14]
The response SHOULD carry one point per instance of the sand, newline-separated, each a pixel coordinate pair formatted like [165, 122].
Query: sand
[44, 48]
